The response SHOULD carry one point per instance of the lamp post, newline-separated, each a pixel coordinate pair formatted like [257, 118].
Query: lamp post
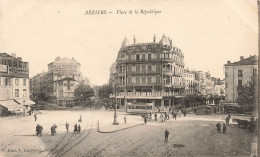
[115, 114]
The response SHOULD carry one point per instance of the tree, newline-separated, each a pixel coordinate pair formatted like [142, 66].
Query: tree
[83, 93]
[246, 94]
[104, 91]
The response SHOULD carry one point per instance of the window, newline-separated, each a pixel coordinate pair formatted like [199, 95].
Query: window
[16, 92]
[137, 57]
[17, 82]
[149, 57]
[143, 68]
[129, 57]
[240, 74]
[137, 80]
[149, 68]
[7, 81]
[129, 68]
[129, 80]
[68, 87]
[157, 80]
[157, 55]
[254, 72]
[149, 46]
[149, 80]
[24, 82]
[138, 68]
[157, 67]
[10, 63]
[143, 57]
[24, 93]
[143, 80]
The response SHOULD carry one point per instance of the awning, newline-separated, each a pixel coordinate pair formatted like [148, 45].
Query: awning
[25, 102]
[11, 105]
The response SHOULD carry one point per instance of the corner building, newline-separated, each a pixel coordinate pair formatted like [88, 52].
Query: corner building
[150, 73]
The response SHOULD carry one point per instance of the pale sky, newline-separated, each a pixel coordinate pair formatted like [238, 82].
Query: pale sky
[208, 32]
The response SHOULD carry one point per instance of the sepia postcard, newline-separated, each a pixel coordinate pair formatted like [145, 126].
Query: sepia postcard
[86, 78]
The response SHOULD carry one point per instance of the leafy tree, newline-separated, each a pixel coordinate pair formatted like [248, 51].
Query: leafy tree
[83, 93]
[104, 91]
[246, 94]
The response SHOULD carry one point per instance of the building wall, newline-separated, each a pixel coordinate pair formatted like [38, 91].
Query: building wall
[5, 91]
[231, 79]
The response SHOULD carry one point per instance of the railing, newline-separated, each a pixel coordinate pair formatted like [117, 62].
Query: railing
[147, 94]
[143, 72]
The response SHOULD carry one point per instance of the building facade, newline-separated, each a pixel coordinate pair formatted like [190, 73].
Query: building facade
[238, 74]
[149, 73]
[58, 84]
[189, 82]
[14, 84]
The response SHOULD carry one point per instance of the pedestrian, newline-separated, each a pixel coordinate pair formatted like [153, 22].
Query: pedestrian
[35, 117]
[145, 120]
[75, 128]
[53, 129]
[168, 116]
[80, 120]
[79, 129]
[218, 127]
[165, 116]
[166, 134]
[150, 115]
[175, 115]
[184, 113]
[195, 110]
[155, 116]
[224, 128]
[67, 126]
[227, 120]
[125, 119]
[30, 112]
[161, 117]
[39, 129]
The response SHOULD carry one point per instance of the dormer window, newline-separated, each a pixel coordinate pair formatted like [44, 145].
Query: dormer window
[149, 46]
[129, 48]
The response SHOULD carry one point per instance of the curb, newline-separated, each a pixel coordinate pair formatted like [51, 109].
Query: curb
[119, 129]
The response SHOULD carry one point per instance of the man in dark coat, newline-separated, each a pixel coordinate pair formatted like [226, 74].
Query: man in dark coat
[218, 127]
[227, 120]
[166, 134]
[79, 128]
[39, 129]
[53, 129]
[224, 128]
[155, 116]
[67, 126]
[145, 119]
[75, 128]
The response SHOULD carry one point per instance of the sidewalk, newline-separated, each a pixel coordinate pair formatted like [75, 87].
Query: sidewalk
[114, 128]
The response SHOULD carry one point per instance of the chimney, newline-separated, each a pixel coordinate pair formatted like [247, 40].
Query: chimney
[72, 58]
[228, 62]
[57, 58]
[14, 55]
[241, 57]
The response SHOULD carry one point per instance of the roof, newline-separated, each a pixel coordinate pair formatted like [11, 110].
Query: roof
[252, 60]
[64, 60]
[10, 104]
[25, 101]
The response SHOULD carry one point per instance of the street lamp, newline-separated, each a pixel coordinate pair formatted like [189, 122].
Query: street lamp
[115, 114]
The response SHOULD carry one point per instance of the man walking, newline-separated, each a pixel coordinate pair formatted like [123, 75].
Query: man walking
[166, 134]
[227, 120]
[145, 119]
[67, 126]
[35, 117]
[125, 119]
[224, 128]
[155, 116]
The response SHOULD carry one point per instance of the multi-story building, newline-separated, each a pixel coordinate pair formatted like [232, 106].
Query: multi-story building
[59, 82]
[149, 73]
[189, 82]
[38, 87]
[238, 74]
[14, 84]
[205, 85]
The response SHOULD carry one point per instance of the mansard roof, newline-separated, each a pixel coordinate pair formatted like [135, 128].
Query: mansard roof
[252, 60]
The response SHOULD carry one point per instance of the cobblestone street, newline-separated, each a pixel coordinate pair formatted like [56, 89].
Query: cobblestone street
[189, 136]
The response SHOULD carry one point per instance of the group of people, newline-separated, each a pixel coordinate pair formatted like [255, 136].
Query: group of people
[224, 127]
[39, 128]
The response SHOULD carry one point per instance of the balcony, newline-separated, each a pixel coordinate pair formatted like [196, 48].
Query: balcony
[136, 73]
[146, 95]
